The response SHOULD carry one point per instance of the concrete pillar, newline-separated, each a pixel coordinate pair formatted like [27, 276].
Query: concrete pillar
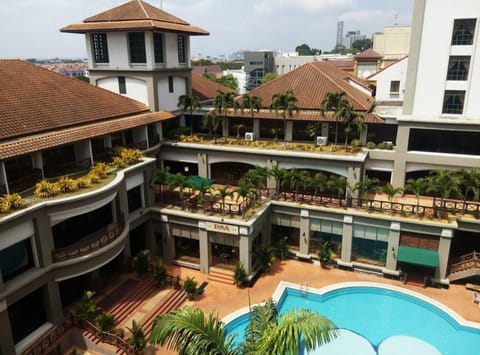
[304, 233]
[202, 159]
[225, 127]
[347, 237]
[256, 127]
[37, 162]
[204, 245]
[271, 183]
[150, 240]
[392, 249]
[7, 345]
[53, 302]
[400, 161]
[289, 132]
[182, 120]
[354, 176]
[363, 136]
[168, 241]
[246, 252]
[443, 253]
[160, 131]
[324, 129]
[43, 239]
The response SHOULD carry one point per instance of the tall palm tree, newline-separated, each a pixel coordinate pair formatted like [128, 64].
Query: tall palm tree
[338, 183]
[182, 182]
[351, 120]
[391, 191]
[257, 177]
[190, 332]
[417, 187]
[252, 103]
[192, 103]
[334, 102]
[202, 190]
[223, 193]
[245, 191]
[471, 185]
[445, 183]
[211, 121]
[279, 174]
[319, 182]
[296, 178]
[287, 103]
[161, 178]
[223, 101]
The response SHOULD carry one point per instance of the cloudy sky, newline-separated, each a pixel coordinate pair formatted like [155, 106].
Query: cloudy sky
[30, 28]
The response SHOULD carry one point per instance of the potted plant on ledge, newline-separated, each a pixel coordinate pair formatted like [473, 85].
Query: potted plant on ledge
[325, 254]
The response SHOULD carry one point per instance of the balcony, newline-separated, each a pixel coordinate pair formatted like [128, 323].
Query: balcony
[113, 232]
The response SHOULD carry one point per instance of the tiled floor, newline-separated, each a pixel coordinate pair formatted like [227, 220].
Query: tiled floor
[223, 299]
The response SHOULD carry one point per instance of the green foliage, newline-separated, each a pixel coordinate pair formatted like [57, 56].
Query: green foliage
[265, 259]
[125, 157]
[105, 322]
[67, 184]
[175, 133]
[100, 169]
[10, 201]
[239, 275]
[381, 145]
[229, 81]
[281, 249]
[304, 49]
[362, 44]
[371, 145]
[140, 263]
[86, 308]
[83, 182]
[325, 253]
[159, 275]
[314, 129]
[190, 287]
[389, 146]
[137, 337]
[231, 65]
[45, 189]
[269, 77]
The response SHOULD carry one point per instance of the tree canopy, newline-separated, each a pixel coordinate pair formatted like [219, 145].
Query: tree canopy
[304, 49]
[362, 44]
[269, 77]
[227, 80]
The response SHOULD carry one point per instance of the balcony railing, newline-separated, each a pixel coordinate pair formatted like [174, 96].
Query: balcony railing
[466, 262]
[113, 232]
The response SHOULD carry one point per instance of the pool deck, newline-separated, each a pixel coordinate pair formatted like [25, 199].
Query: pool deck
[224, 299]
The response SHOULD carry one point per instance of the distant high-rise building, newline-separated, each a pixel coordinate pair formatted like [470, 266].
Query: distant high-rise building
[339, 32]
[350, 37]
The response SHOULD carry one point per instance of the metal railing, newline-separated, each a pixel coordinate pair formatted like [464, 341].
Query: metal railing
[112, 233]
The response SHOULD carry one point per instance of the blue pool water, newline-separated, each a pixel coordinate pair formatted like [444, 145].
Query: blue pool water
[381, 316]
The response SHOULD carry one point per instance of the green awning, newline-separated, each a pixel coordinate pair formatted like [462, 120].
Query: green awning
[197, 181]
[418, 256]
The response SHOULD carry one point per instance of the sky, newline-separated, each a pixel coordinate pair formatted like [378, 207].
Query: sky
[30, 28]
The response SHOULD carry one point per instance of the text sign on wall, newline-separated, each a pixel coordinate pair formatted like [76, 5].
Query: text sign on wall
[222, 228]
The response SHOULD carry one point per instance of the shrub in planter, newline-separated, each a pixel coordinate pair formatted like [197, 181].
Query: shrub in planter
[83, 182]
[93, 177]
[325, 253]
[381, 145]
[66, 184]
[141, 263]
[389, 146]
[100, 169]
[137, 337]
[10, 201]
[239, 275]
[190, 287]
[119, 162]
[371, 145]
[106, 322]
[159, 275]
[45, 189]
[282, 248]
[86, 308]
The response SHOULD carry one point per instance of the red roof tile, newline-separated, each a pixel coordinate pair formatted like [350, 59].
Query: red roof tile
[311, 82]
[135, 14]
[368, 54]
[206, 89]
[35, 100]
[30, 144]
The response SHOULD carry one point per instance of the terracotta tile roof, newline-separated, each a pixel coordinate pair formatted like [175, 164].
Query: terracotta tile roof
[311, 82]
[368, 54]
[303, 115]
[34, 100]
[215, 69]
[134, 15]
[30, 144]
[206, 89]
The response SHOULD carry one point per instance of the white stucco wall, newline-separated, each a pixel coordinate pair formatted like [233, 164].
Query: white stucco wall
[136, 88]
[394, 72]
[434, 55]
[166, 100]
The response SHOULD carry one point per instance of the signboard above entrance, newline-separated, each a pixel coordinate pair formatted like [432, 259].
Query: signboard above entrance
[222, 228]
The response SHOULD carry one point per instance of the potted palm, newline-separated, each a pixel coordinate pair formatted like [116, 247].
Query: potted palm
[240, 276]
[325, 254]
[190, 287]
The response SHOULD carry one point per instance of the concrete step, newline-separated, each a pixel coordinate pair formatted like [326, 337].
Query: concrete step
[221, 276]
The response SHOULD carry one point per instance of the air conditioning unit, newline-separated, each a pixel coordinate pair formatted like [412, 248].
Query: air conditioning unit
[249, 136]
[321, 140]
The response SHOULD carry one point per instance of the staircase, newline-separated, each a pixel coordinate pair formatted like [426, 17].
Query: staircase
[223, 276]
[467, 265]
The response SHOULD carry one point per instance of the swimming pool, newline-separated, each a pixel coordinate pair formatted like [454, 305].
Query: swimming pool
[390, 319]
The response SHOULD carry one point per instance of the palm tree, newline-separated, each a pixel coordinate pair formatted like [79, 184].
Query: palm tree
[192, 103]
[288, 104]
[296, 178]
[245, 191]
[445, 183]
[222, 102]
[471, 184]
[189, 331]
[161, 178]
[202, 190]
[211, 121]
[238, 128]
[279, 174]
[223, 193]
[319, 182]
[391, 191]
[417, 187]
[257, 178]
[351, 120]
[253, 103]
[337, 183]
[365, 186]
[182, 182]
[334, 102]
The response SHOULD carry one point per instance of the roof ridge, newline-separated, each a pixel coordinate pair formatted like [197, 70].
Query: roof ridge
[140, 3]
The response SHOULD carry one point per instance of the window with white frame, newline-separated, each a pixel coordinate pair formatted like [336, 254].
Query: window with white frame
[100, 47]
[394, 87]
